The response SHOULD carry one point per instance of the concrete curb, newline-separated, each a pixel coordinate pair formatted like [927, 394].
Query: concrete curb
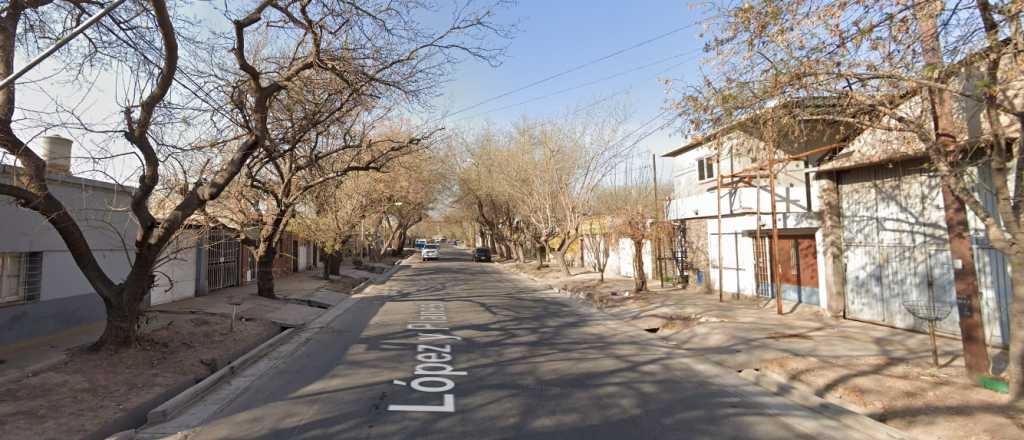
[33, 369]
[167, 410]
[170, 408]
[379, 278]
[851, 417]
[847, 416]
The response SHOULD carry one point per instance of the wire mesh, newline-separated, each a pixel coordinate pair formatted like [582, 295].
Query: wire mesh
[928, 309]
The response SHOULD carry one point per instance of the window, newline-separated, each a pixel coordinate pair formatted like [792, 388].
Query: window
[794, 258]
[19, 276]
[706, 168]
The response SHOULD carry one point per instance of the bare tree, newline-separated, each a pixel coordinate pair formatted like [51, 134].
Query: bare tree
[534, 183]
[330, 214]
[302, 36]
[941, 78]
[596, 243]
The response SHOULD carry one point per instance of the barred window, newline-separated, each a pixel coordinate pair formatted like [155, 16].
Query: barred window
[20, 275]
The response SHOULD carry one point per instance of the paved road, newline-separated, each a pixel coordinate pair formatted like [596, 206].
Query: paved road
[537, 366]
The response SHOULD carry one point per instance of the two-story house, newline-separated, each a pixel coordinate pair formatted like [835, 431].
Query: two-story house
[722, 206]
[887, 241]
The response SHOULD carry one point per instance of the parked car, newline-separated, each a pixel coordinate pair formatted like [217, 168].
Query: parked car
[420, 242]
[482, 254]
[430, 252]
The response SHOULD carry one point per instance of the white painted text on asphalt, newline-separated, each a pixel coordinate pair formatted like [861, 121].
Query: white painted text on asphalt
[434, 372]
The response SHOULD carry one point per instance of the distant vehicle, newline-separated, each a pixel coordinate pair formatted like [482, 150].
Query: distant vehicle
[429, 252]
[482, 254]
[420, 242]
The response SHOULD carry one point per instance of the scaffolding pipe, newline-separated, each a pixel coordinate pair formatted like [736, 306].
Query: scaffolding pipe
[655, 241]
[757, 236]
[60, 43]
[718, 205]
[776, 268]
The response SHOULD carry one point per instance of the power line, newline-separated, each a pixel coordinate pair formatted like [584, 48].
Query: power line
[660, 114]
[573, 69]
[590, 83]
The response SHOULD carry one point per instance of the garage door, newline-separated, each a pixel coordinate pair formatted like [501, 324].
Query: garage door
[895, 245]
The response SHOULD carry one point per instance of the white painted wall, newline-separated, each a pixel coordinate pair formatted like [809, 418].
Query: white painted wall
[101, 211]
[625, 258]
[737, 255]
[176, 277]
[303, 255]
[685, 181]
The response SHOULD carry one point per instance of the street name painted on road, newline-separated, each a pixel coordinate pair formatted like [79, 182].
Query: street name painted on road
[433, 373]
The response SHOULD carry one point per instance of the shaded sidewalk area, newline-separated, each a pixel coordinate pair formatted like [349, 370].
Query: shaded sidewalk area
[183, 342]
[879, 371]
[26, 357]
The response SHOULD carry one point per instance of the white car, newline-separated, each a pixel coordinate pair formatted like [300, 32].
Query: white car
[429, 252]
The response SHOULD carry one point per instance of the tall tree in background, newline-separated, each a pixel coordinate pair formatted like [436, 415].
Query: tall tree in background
[534, 183]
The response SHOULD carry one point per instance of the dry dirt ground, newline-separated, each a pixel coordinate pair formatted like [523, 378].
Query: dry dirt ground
[913, 396]
[343, 283]
[920, 399]
[90, 389]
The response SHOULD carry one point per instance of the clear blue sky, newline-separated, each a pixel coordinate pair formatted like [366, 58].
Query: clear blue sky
[555, 36]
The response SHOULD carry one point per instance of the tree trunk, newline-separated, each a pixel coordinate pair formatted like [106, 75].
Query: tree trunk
[399, 246]
[541, 255]
[327, 265]
[832, 236]
[265, 271]
[1016, 362]
[601, 255]
[965, 278]
[972, 330]
[121, 330]
[124, 304]
[560, 258]
[639, 276]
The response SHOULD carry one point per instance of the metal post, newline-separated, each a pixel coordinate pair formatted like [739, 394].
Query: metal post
[935, 344]
[362, 240]
[60, 43]
[655, 242]
[718, 206]
[776, 268]
[759, 245]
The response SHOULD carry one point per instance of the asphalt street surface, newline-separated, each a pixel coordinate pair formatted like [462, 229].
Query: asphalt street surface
[527, 364]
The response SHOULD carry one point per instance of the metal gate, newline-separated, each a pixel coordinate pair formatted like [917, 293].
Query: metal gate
[895, 244]
[222, 260]
[762, 268]
[680, 256]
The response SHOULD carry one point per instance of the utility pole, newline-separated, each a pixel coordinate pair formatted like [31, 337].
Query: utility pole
[965, 276]
[655, 242]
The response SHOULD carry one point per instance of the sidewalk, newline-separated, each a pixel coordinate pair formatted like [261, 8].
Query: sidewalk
[27, 357]
[290, 309]
[882, 372]
[186, 341]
